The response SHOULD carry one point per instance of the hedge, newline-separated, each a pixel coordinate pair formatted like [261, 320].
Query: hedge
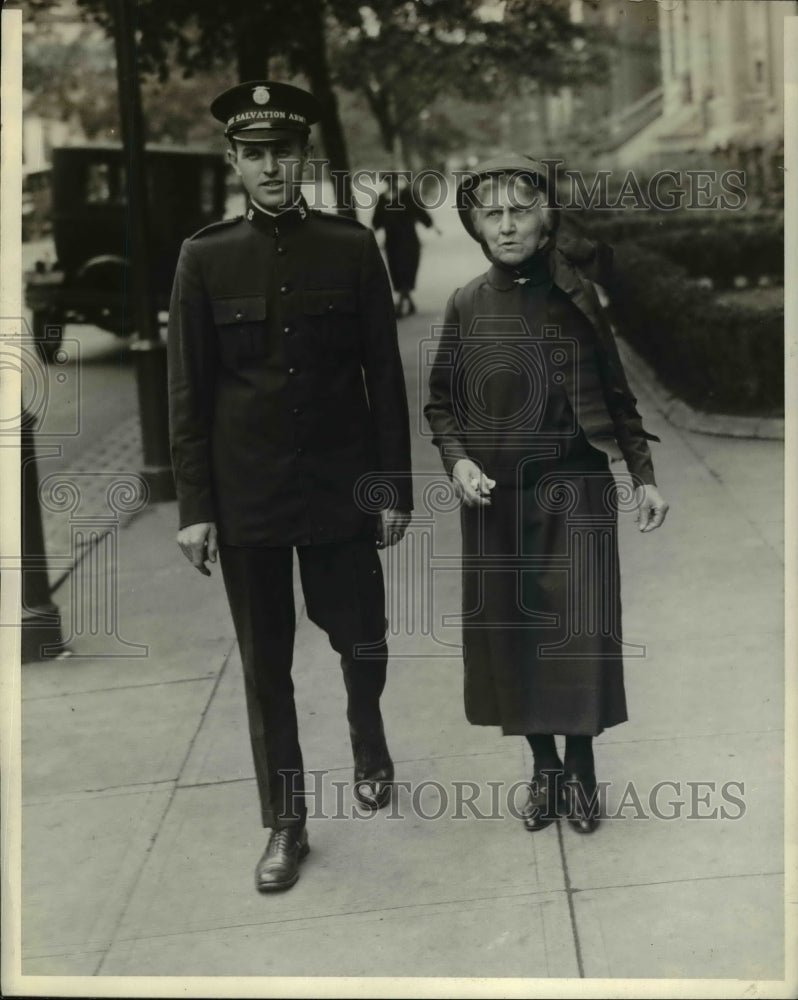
[724, 249]
[715, 356]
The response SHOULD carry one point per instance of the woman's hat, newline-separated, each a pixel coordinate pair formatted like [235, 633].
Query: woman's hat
[510, 164]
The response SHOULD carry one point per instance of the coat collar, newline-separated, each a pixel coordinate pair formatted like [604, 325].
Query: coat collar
[503, 279]
[291, 219]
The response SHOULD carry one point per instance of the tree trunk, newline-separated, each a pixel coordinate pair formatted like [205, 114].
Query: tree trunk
[252, 56]
[317, 70]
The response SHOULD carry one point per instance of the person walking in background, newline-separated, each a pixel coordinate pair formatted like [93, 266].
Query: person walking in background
[286, 390]
[528, 401]
[398, 213]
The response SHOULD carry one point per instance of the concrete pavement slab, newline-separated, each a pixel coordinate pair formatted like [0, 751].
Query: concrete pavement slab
[81, 857]
[638, 847]
[102, 739]
[711, 928]
[524, 936]
[736, 679]
[199, 875]
[221, 750]
[752, 473]
[710, 599]
[169, 658]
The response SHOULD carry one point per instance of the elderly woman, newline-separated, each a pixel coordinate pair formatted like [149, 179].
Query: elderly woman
[528, 403]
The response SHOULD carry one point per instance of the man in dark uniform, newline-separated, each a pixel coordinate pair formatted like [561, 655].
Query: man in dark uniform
[289, 428]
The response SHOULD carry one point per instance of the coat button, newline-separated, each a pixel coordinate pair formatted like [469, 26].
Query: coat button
[280, 249]
[288, 328]
[239, 315]
[299, 451]
[293, 371]
[285, 289]
[331, 307]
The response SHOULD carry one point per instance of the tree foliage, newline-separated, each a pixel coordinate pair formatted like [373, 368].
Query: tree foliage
[404, 58]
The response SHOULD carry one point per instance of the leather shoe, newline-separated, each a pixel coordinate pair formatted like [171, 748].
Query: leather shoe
[543, 806]
[278, 867]
[373, 769]
[581, 802]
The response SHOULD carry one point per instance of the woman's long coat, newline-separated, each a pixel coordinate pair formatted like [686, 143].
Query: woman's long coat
[528, 383]
[398, 216]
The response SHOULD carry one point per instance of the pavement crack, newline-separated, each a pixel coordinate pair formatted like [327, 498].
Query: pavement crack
[112, 936]
[569, 895]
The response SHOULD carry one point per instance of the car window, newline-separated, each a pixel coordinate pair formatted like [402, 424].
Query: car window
[105, 184]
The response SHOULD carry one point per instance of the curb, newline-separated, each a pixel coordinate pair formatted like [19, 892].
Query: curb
[685, 417]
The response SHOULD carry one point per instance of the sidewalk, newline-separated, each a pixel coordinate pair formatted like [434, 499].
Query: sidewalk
[140, 814]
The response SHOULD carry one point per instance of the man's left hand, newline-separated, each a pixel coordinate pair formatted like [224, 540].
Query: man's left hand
[651, 507]
[391, 527]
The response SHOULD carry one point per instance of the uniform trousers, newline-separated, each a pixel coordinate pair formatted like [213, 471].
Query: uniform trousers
[344, 593]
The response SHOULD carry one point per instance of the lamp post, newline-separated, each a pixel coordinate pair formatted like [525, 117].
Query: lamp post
[41, 619]
[149, 350]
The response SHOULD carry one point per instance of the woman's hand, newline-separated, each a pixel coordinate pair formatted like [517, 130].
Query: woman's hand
[472, 485]
[651, 507]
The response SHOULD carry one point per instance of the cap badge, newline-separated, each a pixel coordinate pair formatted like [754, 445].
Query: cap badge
[260, 95]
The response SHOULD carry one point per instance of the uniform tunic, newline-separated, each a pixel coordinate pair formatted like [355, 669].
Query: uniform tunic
[286, 385]
[528, 384]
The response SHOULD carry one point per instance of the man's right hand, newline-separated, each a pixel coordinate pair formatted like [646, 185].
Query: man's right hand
[472, 485]
[199, 543]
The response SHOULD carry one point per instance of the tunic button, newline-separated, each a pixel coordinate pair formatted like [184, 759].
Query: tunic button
[239, 315]
[285, 289]
[280, 249]
[297, 411]
[288, 328]
[331, 307]
[292, 371]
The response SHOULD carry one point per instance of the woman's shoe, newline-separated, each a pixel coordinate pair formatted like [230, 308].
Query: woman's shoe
[544, 804]
[581, 802]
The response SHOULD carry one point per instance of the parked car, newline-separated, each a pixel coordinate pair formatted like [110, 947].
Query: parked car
[37, 186]
[90, 279]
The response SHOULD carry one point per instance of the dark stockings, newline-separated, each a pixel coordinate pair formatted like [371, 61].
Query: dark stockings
[578, 753]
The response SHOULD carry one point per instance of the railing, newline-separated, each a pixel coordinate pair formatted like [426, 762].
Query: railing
[622, 125]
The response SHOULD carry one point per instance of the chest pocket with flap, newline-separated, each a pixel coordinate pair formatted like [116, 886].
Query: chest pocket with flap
[331, 316]
[241, 328]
